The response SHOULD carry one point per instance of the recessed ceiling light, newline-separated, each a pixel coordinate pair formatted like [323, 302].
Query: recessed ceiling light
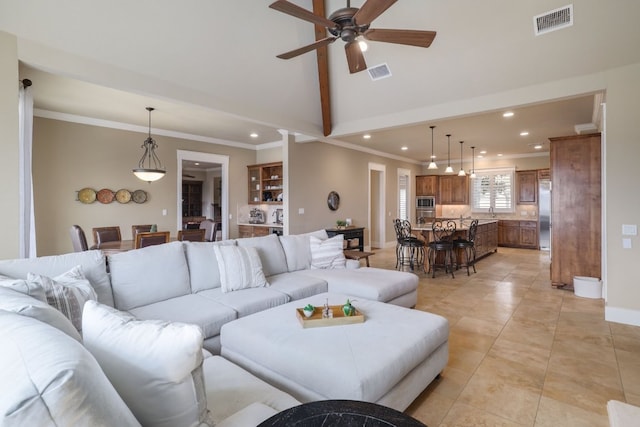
[404, 148]
[433, 156]
[538, 147]
[253, 135]
[524, 133]
[483, 152]
[366, 136]
[507, 114]
[499, 154]
[197, 164]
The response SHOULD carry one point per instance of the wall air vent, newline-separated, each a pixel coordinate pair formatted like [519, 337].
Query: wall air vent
[378, 72]
[553, 20]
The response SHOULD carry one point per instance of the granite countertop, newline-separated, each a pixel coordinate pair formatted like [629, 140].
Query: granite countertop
[465, 224]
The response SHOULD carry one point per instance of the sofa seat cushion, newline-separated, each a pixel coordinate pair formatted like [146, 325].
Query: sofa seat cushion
[247, 301]
[155, 366]
[270, 251]
[19, 303]
[49, 379]
[296, 285]
[371, 283]
[231, 388]
[152, 274]
[93, 265]
[208, 314]
[203, 268]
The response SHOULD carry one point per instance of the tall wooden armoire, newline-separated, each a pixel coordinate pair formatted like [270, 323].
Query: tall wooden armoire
[576, 209]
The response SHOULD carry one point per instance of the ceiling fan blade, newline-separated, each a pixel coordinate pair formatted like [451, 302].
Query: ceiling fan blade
[409, 37]
[307, 48]
[294, 10]
[370, 10]
[355, 58]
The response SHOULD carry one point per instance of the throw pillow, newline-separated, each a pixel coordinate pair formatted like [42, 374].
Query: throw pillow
[327, 253]
[155, 366]
[240, 268]
[67, 292]
[32, 289]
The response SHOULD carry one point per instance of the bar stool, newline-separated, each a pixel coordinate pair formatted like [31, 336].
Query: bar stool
[468, 247]
[442, 242]
[407, 242]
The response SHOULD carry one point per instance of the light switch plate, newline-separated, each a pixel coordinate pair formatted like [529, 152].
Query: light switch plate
[629, 230]
[301, 211]
[626, 243]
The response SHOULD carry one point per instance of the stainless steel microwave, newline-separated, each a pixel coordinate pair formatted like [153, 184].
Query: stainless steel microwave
[425, 202]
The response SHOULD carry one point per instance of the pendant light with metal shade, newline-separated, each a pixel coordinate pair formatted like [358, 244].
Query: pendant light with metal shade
[461, 172]
[433, 164]
[473, 162]
[149, 167]
[449, 169]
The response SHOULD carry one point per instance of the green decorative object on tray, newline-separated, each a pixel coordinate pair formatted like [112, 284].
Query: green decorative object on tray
[348, 309]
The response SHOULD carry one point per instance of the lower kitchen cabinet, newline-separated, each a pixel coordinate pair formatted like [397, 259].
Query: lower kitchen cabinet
[486, 239]
[252, 231]
[518, 234]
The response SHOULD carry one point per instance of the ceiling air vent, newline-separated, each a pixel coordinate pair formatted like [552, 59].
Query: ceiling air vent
[378, 72]
[553, 20]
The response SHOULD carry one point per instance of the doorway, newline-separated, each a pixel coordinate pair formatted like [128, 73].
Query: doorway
[377, 205]
[215, 188]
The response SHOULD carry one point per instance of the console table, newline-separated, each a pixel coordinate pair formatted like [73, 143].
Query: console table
[349, 233]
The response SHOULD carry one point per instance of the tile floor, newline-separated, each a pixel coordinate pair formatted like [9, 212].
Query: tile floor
[522, 353]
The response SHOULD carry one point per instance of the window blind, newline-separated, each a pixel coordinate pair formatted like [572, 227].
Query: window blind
[403, 180]
[493, 188]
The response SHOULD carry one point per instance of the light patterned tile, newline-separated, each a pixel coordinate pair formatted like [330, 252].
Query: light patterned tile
[552, 413]
[462, 415]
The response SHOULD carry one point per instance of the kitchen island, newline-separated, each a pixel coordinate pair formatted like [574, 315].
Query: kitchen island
[486, 241]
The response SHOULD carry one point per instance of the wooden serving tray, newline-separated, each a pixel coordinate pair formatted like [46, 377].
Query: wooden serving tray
[316, 320]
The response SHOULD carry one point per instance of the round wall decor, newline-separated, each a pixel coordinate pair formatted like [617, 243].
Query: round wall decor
[87, 195]
[123, 196]
[333, 200]
[105, 196]
[139, 196]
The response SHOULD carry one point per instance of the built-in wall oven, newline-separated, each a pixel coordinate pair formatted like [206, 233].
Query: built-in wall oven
[425, 209]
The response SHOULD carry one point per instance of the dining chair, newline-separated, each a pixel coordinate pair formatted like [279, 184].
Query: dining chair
[408, 244]
[468, 247]
[106, 234]
[144, 239]
[141, 228]
[78, 239]
[443, 231]
[208, 225]
[192, 235]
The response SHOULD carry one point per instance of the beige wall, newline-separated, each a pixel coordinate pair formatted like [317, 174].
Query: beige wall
[317, 168]
[9, 156]
[68, 157]
[622, 191]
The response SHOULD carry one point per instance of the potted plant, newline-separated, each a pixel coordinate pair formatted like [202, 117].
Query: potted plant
[308, 310]
[341, 223]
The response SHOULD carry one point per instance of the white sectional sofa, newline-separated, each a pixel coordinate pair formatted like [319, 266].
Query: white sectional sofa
[59, 376]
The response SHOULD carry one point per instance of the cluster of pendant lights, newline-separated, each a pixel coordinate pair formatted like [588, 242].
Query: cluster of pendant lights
[449, 169]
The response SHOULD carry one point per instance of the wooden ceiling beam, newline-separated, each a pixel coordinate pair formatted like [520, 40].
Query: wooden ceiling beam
[323, 70]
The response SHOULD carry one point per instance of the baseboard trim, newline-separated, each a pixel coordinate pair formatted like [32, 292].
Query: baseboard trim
[622, 315]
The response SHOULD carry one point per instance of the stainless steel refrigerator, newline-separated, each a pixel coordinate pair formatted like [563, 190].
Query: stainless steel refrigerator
[544, 213]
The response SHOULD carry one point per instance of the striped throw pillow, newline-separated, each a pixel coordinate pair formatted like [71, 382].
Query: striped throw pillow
[327, 254]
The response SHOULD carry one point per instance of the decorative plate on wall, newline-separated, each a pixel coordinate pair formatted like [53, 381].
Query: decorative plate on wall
[105, 196]
[87, 195]
[333, 200]
[123, 196]
[139, 196]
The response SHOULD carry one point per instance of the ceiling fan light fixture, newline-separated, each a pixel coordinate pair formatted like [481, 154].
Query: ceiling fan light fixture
[362, 44]
[433, 164]
[149, 167]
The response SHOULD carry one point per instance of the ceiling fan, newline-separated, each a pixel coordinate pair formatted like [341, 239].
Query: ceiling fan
[349, 24]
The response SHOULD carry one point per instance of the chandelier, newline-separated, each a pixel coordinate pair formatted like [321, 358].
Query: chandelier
[149, 167]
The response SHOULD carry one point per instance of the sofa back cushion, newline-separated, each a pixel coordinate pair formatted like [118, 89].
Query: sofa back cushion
[92, 263]
[156, 366]
[49, 379]
[152, 274]
[203, 268]
[297, 249]
[270, 251]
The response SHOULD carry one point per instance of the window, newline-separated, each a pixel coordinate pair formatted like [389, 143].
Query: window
[403, 195]
[493, 189]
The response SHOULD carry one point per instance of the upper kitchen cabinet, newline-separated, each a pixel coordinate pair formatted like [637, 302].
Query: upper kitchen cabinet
[576, 211]
[453, 190]
[527, 187]
[265, 183]
[426, 185]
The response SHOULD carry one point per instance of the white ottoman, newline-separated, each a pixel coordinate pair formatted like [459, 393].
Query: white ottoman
[388, 359]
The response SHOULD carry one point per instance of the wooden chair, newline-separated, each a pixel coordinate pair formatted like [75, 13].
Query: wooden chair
[192, 235]
[78, 239]
[145, 239]
[106, 234]
[142, 228]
